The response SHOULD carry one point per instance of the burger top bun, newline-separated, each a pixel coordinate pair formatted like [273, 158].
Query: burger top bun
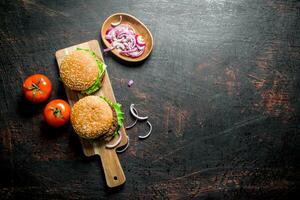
[92, 117]
[79, 70]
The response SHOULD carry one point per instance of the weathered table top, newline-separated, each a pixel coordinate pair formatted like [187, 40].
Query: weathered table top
[221, 88]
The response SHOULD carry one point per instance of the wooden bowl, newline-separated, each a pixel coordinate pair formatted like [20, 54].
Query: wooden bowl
[140, 29]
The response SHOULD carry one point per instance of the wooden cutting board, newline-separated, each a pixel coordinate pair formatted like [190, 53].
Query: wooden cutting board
[113, 171]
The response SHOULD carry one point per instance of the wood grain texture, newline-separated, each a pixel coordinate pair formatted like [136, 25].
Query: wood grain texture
[223, 101]
[113, 171]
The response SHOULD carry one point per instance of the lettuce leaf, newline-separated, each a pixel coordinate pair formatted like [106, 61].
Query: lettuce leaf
[120, 114]
[118, 110]
[98, 83]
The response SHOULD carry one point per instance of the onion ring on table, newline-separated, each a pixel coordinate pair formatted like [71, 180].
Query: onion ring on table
[149, 133]
[125, 148]
[134, 113]
[111, 146]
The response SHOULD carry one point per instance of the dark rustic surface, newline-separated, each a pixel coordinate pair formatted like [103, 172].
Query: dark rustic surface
[221, 89]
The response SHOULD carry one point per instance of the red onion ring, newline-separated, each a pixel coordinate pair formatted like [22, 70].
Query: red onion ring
[108, 30]
[139, 40]
[135, 54]
[108, 37]
[148, 134]
[125, 148]
[129, 51]
[108, 49]
[117, 23]
[140, 47]
[124, 38]
[135, 114]
[134, 123]
[110, 146]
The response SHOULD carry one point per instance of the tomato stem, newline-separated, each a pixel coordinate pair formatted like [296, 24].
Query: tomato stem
[35, 88]
[57, 112]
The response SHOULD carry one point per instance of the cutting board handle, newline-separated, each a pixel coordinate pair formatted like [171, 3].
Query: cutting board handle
[112, 168]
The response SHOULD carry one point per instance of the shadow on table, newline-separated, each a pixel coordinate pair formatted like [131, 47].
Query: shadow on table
[27, 109]
[53, 132]
[113, 190]
[66, 131]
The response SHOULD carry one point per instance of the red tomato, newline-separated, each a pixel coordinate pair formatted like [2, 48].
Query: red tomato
[37, 88]
[57, 112]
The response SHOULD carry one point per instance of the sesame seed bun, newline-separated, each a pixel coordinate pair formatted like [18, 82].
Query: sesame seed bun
[92, 117]
[79, 70]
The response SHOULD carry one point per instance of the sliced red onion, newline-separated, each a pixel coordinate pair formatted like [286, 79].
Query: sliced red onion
[135, 114]
[148, 134]
[130, 83]
[129, 51]
[123, 38]
[139, 40]
[135, 54]
[110, 146]
[132, 41]
[125, 148]
[116, 44]
[127, 27]
[108, 37]
[141, 48]
[124, 27]
[135, 110]
[117, 23]
[108, 49]
[108, 30]
[123, 33]
[132, 125]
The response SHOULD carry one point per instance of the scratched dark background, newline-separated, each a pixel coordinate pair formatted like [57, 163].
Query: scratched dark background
[221, 88]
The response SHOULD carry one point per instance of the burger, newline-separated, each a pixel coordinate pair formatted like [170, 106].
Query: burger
[96, 117]
[82, 71]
